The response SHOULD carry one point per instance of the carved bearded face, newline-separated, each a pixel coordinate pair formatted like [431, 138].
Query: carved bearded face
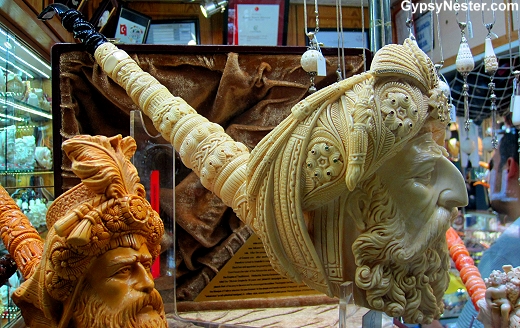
[120, 292]
[401, 256]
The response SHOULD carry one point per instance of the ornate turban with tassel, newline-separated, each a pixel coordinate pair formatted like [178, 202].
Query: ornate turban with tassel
[106, 211]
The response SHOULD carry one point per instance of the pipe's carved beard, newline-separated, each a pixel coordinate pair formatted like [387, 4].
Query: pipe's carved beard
[403, 276]
[91, 312]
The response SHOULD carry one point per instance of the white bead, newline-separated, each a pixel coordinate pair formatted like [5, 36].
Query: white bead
[309, 60]
[464, 62]
[467, 146]
[487, 144]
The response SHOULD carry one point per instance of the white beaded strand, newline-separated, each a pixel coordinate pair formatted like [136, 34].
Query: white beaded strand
[491, 66]
[465, 64]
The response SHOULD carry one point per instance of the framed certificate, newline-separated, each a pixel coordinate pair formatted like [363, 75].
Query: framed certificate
[423, 31]
[132, 27]
[174, 31]
[352, 38]
[257, 22]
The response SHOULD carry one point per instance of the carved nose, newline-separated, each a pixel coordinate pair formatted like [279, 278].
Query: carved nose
[453, 192]
[145, 281]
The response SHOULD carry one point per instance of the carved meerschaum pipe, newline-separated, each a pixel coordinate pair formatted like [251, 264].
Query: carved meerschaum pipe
[176, 120]
[224, 166]
[74, 22]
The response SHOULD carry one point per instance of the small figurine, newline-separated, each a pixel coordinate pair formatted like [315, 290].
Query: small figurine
[501, 306]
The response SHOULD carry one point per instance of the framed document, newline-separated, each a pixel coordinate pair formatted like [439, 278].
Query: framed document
[352, 38]
[423, 31]
[174, 31]
[257, 22]
[132, 27]
[103, 13]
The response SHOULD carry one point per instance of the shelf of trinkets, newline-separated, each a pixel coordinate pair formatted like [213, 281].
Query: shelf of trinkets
[25, 147]
[34, 202]
[8, 310]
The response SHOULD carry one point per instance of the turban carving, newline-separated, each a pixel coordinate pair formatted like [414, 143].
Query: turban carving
[107, 210]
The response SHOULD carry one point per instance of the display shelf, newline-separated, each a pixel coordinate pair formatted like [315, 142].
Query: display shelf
[26, 169]
[481, 230]
[24, 172]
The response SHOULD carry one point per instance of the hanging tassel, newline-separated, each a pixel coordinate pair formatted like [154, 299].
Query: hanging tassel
[465, 64]
[491, 66]
[513, 94]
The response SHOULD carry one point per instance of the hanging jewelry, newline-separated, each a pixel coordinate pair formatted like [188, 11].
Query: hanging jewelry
[514, 106]
[443, 83]
[312, 60]
[409, 25]
[363, 34]
[465, 64]
[340, 72]
[491, 66]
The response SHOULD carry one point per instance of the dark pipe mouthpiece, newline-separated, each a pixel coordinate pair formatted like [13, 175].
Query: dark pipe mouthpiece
[73, 21]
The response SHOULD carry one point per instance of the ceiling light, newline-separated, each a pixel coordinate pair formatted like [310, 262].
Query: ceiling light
[210, 7]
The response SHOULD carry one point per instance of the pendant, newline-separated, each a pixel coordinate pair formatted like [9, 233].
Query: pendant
[465, 64]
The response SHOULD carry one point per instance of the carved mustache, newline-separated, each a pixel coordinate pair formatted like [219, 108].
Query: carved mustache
[154, 299]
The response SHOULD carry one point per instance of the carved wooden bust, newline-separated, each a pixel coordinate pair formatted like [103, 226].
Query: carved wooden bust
[94, 268]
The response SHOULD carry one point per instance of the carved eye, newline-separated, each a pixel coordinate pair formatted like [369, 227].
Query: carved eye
[124, 271]
[147, 265]
[424, 179]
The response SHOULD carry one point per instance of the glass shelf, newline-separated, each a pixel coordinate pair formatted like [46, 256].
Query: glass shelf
[26, 169]
[26, 172]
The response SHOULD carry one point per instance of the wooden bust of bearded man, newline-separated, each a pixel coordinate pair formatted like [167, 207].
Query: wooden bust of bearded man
[94, 269]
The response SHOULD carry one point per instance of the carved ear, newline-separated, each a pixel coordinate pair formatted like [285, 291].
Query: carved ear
[512, 168]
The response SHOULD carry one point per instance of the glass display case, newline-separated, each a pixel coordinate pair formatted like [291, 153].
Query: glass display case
[26, 170]
[481, 230]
